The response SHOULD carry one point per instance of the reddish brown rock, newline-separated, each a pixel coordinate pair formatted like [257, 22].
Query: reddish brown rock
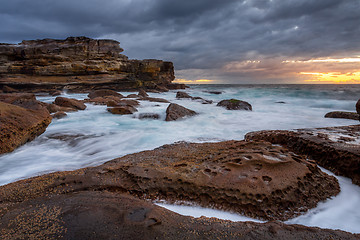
[256, 179]
[182, 95]
[103, 100]
[105, 214]
[53, 108]
[151, 99]
[122, 110]
[104, 93]
[142, 93]
[20, 125]
[234, 104]
[132, 96]
[59, 115]
[336, 148]
[70, 103]
[175, 112]
[346, 115]
[16, 97]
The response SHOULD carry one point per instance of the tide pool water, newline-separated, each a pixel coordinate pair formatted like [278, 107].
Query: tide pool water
[94, 136]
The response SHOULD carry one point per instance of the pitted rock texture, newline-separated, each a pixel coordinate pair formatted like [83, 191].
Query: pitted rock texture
[113, 214]
[77, 64]
[21, 122]
[256, 179]
[335, 148]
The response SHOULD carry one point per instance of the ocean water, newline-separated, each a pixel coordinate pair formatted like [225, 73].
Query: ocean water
[91, 137]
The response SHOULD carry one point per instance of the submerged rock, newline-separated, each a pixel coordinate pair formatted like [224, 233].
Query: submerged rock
[122, 110]
[175, 112]
[21, 124]
[235, 104]
[70, 103]
[346, 115]
[335, 148]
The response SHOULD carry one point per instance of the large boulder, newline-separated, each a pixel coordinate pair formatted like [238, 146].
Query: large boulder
[175, 111]
[346, 115]
[70, 103]
[183, 95]
[104, 93]
[235, 104]
[334, 148]
[20, 125]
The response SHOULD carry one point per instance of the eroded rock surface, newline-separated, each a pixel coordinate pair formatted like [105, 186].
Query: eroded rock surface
[78, 64]
[114, 214]
[256, 179]
[335, 148]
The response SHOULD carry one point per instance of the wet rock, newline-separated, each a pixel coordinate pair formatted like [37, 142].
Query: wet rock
[214, 92]
[183, 95]
[59, 115]
[346, 115]
[103, 100]
[132, 96]
[122, 110]
[104, 93]
[151, 99]
[53, 108]
[98, 214]
[70, 103]
[235, 104]
[149, 116]
[358, 106]
[55, 93]
[180, 95]
[281, 102]
[256, 179]
[175, 112]
[326, 146]
[142, 93]
[20, 125]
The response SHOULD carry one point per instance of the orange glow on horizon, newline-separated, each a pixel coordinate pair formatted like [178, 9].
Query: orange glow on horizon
[333, 77]
[198, 81]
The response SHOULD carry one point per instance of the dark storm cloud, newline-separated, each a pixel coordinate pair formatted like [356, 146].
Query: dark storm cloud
[198, 34]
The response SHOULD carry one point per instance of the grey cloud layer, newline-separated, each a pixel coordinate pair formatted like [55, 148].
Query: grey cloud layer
[200, 34]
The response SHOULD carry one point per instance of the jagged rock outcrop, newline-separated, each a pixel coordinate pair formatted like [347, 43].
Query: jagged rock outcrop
[334, 148]
[78, 64]
[22, 118]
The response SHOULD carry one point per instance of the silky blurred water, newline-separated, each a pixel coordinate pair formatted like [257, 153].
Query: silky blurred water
[93, 136]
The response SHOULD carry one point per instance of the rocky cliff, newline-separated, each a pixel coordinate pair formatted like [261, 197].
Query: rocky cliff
[78, 64]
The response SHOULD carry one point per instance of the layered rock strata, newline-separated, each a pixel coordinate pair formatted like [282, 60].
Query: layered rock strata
[256, 179]
[334, 148]
[78, 64]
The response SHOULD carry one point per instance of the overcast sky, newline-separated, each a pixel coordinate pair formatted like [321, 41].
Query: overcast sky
[252, 41]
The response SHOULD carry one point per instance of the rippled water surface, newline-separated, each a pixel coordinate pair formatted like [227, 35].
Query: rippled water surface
[93, 136]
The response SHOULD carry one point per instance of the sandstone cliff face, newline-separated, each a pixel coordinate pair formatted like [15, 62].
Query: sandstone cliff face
[78, 63]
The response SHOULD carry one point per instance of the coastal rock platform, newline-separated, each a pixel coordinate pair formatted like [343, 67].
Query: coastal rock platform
[334, 148]
[255, 179]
